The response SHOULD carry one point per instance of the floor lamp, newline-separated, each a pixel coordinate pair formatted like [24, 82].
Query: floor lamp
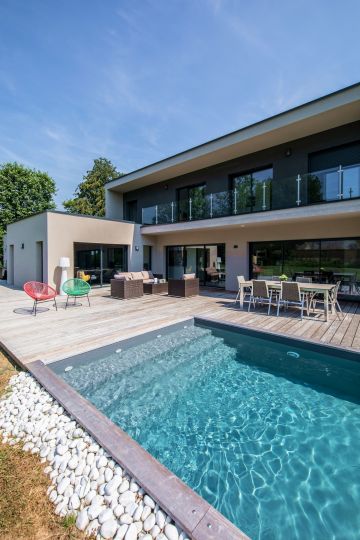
[64, 264]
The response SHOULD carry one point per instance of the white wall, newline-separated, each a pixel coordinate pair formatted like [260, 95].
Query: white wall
[114, 207]
[24, 235]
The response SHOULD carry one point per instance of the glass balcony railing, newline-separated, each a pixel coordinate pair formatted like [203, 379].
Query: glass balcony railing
[329, 185]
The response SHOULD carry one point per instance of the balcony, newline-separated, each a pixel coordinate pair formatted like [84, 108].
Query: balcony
[330, 185]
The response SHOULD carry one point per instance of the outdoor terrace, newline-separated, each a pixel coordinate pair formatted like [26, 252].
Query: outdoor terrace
[54, 335]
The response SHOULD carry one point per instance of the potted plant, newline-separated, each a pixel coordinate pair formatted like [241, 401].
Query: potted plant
[283, 277]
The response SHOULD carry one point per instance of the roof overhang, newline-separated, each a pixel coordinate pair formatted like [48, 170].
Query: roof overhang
[325, 113]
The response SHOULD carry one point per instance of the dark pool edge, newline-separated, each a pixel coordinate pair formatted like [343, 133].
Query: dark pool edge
[333, 350]
[194, 515]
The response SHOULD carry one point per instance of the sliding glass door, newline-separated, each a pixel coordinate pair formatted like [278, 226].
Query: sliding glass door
[324, 261]
[100, 262]
[207, 262]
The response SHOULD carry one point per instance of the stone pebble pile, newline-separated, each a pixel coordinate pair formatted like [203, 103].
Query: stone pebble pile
[85, 481]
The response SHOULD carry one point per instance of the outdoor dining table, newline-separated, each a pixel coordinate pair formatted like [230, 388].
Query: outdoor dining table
[323, 288]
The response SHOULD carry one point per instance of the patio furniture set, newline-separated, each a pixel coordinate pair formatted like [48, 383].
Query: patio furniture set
[301, 293]
[127, 285]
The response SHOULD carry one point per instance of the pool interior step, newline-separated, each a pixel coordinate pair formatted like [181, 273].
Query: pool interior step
[87, 377]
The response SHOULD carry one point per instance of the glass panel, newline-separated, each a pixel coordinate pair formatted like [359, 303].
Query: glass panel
[175, 262]
[242, 194]
[340, 261]
[302, 258]
[261, 185]
[165, 213]
[198, 202]
[222, 204]
[149, 215]
[351, 182]
[214, 275]
[321, 186]
[284, 193]
[266, 259]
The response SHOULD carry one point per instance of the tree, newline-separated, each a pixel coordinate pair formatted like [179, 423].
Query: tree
[89, 197]
[23, 192]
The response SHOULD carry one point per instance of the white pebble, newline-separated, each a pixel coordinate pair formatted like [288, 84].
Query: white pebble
[171, 532]
[108, 529]
[82, 520]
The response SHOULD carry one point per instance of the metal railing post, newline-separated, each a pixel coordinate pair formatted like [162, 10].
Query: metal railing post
[211, 205]
[172, 211]
[142, 216]
[340, 182]
[235, 201]
[298, 180]
[156, 214]
[264, 196]
[190, 209]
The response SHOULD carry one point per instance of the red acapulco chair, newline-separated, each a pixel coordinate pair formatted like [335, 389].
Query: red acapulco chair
[40, 292]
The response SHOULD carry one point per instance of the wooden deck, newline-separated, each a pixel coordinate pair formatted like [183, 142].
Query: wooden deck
[54, 335]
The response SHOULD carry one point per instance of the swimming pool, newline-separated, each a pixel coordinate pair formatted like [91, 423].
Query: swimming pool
[268, 431]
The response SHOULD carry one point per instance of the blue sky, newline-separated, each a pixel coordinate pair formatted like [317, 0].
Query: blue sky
[138, 80]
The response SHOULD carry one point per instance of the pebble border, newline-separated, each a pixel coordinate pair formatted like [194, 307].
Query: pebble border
[85, 481]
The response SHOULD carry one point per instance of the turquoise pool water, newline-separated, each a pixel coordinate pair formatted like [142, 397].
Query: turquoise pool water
[271, 439]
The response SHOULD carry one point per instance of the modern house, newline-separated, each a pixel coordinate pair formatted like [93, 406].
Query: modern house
[281, 196]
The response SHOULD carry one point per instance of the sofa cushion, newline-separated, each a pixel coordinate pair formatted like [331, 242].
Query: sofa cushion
[189, 276]
[145, 274]
[149, 281]
[136, 275]
[121, 276]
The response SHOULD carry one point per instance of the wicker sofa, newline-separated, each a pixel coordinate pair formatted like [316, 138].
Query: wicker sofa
[127, 285]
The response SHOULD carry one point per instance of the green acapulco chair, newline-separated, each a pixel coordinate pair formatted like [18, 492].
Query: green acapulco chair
[76, 288]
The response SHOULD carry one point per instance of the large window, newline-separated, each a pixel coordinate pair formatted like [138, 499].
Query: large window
[207, 262]
[101, 262]
[328, 260]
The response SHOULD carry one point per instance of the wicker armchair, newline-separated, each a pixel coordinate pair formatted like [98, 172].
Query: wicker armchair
[184, 287]
[126, 289]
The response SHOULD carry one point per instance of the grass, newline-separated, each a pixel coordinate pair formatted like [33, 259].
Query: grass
[7, 370]
[25, 510]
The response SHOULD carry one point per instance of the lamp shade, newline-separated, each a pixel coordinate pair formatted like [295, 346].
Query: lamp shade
[64, 262]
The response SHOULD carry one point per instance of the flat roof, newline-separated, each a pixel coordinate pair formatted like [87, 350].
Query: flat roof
[326, 112]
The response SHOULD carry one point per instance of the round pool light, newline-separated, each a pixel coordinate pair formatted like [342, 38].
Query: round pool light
[293, 354]
[118, 351]
[68, 368]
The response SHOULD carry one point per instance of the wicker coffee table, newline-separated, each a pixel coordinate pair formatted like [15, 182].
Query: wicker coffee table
[155, 288]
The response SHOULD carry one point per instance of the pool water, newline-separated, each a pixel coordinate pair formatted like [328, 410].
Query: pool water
[268, 437]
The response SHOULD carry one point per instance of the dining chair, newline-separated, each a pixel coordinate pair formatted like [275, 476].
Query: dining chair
[290, 295]
[260, 294]
[333, 300]
[247, 290]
